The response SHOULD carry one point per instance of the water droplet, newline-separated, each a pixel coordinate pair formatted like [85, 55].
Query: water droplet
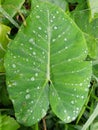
[39, 28]
[55, 27]
[9, 85]
[21, 44]
[59, 36]
[82, 97]
[88, 86]
[37, 6]
[31, 111]
[72, 102]
[27, 96]
[34, 32]
[86, 89]
[13, 65]
[81, 84]
[38, 87]
[31, 48]
[77, 96]
[74, 89]
[65, 111]
[77, 109]
[51, 21]
[14, 57]
[65, 39]
[31, 40]
[37, 16]
[32, 78]
[32, 102]
[53, 17]
[38, 119]
[58, 98]
[66, 47]
[33, 117]
[57, 12]
[33, 63]
[14, 83]
[43, 52]
[53, 40]
[27, 60]
[36, 74]
[27, 91]
[69, 60]
[68, 118]
[85, 51]
[34, 53]
[73, 118]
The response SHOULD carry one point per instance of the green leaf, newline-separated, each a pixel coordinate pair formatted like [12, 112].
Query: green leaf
[45, 64]
[93, 8]
[8, 123]
[81, 16]
[91, 43]
[3, 43]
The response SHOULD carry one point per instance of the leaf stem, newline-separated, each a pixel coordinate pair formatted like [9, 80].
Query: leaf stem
[44, 124]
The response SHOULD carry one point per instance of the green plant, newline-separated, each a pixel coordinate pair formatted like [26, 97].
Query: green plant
[51, 60]
[48, 63]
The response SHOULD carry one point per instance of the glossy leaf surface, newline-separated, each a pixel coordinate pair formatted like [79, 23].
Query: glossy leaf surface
[45, 64]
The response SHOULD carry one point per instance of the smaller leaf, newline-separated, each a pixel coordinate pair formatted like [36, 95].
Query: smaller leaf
[3, 43]
[8, 123]
[91, 43]
[93, 4]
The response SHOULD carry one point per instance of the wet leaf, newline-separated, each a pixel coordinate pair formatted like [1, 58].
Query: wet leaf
[45, 64]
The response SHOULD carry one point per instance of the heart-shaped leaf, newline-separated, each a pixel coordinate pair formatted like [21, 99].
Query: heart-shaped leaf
[45, 64]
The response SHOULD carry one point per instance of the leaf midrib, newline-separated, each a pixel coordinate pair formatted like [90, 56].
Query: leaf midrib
[49, 38]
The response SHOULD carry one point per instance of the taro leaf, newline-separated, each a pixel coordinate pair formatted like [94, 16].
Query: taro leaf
[45, 64]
